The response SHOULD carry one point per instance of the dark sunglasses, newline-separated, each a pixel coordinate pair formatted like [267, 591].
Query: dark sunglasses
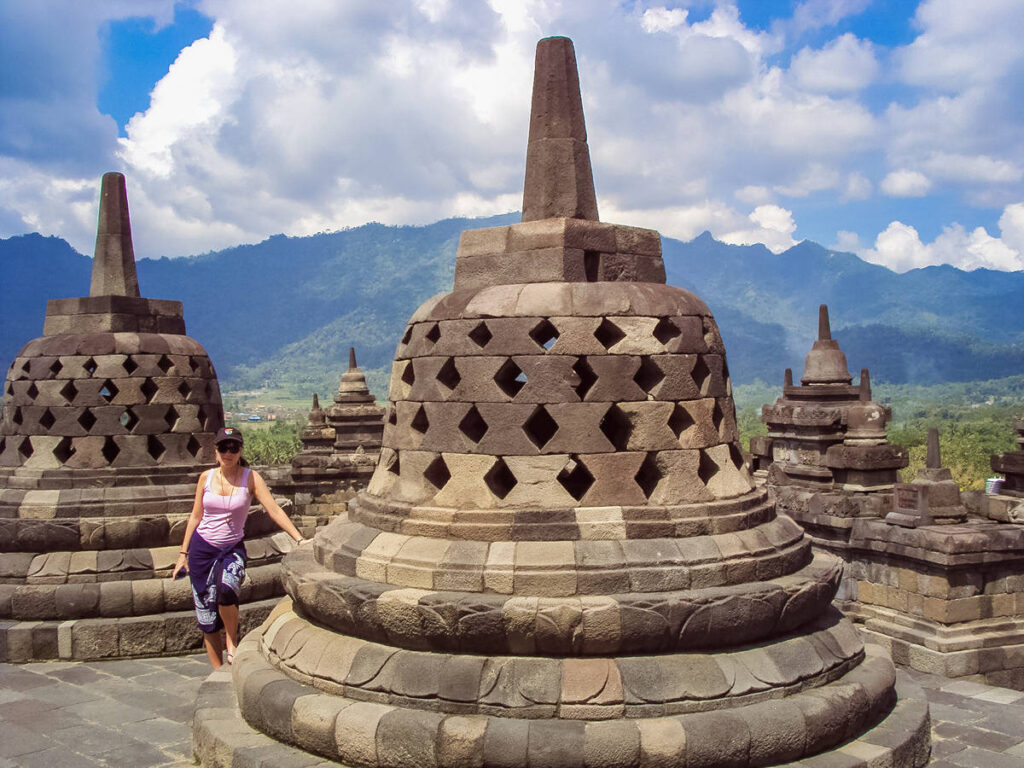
[229, 447]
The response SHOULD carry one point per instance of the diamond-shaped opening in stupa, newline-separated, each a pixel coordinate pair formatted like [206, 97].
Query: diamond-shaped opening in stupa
[437, 473]
[473, 425]
[617, 427]
[510, 378]
[545, 334]
[540, 427]
[481, 334]
[499, 478]
[149, 389]
[648, 375]
[420, 422]
[575, 478]
[609, 334]
[665, 331]
[649, 474]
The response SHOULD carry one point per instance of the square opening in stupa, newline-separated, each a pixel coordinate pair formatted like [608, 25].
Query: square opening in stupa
[561, 558]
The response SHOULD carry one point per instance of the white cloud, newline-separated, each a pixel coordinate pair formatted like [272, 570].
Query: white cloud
[815, 178]
[663, 19]
[858, 187]
[904, 183]
[848, 242]
[188, 105]
[768, 224]
[753, 194]
[963, 44]
[977, 168]
[843, 65]
[900, 248]
[815, 14]
[1011, 226]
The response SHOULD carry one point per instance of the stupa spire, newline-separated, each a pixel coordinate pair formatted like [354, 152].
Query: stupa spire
[559, 179]
[934, 455]
[824, 328]
[352, 359]
[113, 265]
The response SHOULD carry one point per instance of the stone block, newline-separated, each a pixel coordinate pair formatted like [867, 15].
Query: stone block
[663, 742]
[548, 379]
[34, 602]
[536, 483]
[544, 299]
[74, 601]
[544, 568]
[506, 743]
[614, 479]
[499, 568]
[313, 721]
[94, 639]
[576, 336]
[462, 567]
[556, 742]
[355, 732]
[614, 381]
[140, 636]
[408, 737]
[460, 741]
[505, 435]
[612, 744]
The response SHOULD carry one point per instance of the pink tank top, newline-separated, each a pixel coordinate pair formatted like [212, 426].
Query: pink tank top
[224, 516]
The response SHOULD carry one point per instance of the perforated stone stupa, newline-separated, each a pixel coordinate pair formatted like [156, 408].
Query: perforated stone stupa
[561, 559]
[108, 419]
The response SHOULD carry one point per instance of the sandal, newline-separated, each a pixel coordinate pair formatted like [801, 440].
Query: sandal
[229, 657]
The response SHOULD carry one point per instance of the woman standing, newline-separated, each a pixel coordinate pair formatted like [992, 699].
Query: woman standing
[213, 552]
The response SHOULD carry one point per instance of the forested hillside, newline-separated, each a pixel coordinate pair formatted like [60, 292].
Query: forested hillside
[285, 311]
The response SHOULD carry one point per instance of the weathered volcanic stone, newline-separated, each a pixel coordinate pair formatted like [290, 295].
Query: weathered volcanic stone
[559, 562]
[107, 421]
[934, 576]
[340, 449]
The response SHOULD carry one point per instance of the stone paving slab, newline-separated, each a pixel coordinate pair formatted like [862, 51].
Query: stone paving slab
[135, 714]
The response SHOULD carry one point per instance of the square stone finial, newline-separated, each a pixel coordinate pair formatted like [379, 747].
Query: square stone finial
[113, 265]
[559, 179]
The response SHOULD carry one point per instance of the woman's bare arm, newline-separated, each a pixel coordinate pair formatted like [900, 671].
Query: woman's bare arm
[194, 519]
[262, 494]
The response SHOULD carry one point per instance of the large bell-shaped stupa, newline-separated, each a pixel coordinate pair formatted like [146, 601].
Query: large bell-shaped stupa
[108, 419]
[561, 559]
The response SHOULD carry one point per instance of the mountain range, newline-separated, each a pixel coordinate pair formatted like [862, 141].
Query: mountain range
[285, 311]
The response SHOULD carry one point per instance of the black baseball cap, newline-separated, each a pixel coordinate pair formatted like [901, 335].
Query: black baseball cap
[225, 434]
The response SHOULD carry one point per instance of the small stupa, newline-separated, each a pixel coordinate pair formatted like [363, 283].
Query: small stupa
[827, 434]
[340, 448]
[561, 559]
[108, 419]
[932, 498]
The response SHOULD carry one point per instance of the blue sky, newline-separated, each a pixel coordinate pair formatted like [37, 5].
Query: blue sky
[890, 129]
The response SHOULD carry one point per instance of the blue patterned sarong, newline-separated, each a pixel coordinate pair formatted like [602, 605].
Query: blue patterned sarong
[216, 575]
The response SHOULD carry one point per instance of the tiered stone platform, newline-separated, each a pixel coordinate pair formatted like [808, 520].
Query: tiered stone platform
[108, 419]
[561, 559]
[937, 582]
